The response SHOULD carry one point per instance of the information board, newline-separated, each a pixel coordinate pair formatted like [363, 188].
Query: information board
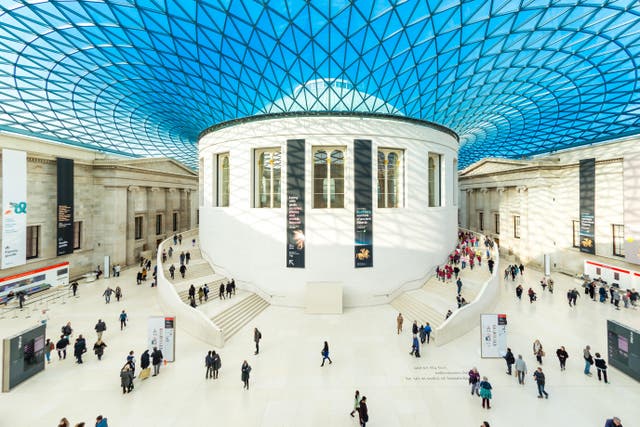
[493, 335]
[162, 335]
[623, 345]
[23, 356]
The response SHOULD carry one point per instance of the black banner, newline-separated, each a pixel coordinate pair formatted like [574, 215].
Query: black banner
[587, 205]
[363, 194]
[65, 206]
[295, 203]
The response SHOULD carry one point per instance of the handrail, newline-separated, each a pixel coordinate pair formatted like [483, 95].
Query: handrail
[465, 318]
[189, 319]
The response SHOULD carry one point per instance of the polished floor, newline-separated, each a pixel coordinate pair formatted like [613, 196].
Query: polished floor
[289, 388]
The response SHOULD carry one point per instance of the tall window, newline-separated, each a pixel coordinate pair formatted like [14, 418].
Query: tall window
[390, 178]
[516, 226]
[435, 181]
[328, 177]
[222, 195]
[33, 241]
[77, 234]
[138, 227]
[618, 239]
[158, 224]
[481, 221]
[175, 221]
[268, 168]
[576, 234]
[496, 223]
[454, 173]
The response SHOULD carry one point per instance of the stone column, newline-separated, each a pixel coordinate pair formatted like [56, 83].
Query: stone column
[184, 209]
[131, 224]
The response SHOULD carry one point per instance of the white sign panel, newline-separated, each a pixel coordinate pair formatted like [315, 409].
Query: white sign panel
[162, 335]
[493, 334]
[14, 208]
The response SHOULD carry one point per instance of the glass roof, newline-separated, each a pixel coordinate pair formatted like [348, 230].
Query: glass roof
[512, 78]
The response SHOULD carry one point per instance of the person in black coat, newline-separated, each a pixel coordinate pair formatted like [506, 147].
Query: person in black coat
[246, 370]
[61, 346]
[510, 359]
[79, 348]
[156, 358]
[144, 360]
[562, 357]
[221, 291]
[364, 412]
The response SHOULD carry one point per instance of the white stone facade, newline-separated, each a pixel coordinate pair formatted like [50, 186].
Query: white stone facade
[250, 244]
[109, 192]
[544, 193]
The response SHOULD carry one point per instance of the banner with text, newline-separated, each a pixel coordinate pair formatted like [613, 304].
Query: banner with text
[362, 166]
[295, 203]
[162, 334]
[14, 208]
[65, 206]
[493, 333]
[587, 205]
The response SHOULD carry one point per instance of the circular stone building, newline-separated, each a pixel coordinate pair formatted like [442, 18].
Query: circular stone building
[328, 194]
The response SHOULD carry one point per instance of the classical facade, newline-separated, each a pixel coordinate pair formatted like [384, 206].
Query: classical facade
[532, 207]
[122, 206]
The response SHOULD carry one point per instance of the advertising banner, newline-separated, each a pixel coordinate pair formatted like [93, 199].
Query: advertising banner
[363, 194]
[493, 335]
[14, 208]
[295, 203]
[163, 336]
[65, 206]
[587, 205]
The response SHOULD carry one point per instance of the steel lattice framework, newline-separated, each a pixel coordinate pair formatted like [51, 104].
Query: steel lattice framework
[145, 77]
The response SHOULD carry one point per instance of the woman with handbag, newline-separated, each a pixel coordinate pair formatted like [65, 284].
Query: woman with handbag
[485, 392]
[325, 354]
[246, 369]
[538, 352]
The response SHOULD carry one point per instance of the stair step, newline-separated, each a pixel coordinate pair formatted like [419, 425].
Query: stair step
[250, 315]
[237, 316]
[229, 315]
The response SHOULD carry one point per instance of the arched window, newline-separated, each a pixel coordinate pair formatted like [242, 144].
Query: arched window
[267, 174]
[328, 177]
[390, 178]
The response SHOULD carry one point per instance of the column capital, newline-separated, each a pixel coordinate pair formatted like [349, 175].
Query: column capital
[521, 188]
[484, 190]
[133, 188]
[500, 190]
[172, 190]
[154, 189]
[186, 190]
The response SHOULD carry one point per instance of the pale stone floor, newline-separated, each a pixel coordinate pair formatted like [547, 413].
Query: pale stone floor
[288, 387]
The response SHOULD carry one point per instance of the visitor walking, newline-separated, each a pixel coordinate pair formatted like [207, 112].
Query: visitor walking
[79, 348]
[474, 380]
[221, 291]
[183, 270]
[126, 379]
[172, 271]
[145, 361]
[399, 321]
[538, 352]
[107, 295]
[217, 364]
[208, 363]
[588, 360]
[100, 328]
[613, 422]
[246, 370]
[356, 403]
[156, 359]
[540, 381]
[61, 346]
[485, 392]
[427, 331]
[521, 369]
[363, 412]
[98, 348]
[325, 354]
[601, 366]
[74, 287]
[48, 348]
[257, 336]
[118, 293]
[415, 346]
[123, 320]
[562, 357]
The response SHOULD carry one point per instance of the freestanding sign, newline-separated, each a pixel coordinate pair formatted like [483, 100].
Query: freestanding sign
[363, 190]
[23, 356]
[295, 203]
[14, 208]
[162, 335]
[493, 334]
[65, 206]
[587, 205]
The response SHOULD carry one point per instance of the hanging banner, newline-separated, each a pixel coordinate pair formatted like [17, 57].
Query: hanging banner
[65, 206]
[493, 335]
[295, 203]
[14, 208]
[362, 166]
[587, 205]
[162, 335]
